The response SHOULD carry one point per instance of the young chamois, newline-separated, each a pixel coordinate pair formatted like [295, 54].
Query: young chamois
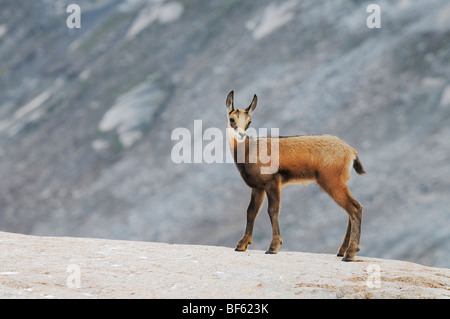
[325, 159]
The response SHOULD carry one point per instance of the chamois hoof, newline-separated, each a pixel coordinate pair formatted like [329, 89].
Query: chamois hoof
[242, 247]
[341, 251]
[347, 259]
[271, 252]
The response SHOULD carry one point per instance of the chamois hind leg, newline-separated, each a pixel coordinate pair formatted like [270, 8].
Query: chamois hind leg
[273, 191]
[339, 191]
[344, 245]
[354, 210]
[252, 210]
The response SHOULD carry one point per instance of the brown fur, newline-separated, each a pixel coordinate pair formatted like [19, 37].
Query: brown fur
[325, 159]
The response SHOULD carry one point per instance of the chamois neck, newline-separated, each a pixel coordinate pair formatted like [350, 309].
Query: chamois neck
[239, 150]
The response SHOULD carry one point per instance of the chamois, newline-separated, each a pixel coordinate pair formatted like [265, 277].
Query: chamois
[325, 159]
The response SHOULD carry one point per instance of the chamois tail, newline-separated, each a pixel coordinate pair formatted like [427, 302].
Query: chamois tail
[358, 166]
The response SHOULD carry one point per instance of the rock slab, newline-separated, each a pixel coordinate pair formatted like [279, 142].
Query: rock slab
[65, 267]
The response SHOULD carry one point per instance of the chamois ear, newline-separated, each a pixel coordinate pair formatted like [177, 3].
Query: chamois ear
[252, 105]
[230, 102]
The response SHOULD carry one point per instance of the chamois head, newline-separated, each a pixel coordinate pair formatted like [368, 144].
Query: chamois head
[239, 120]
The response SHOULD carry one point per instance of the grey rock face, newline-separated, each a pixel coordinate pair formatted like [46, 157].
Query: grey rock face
[86, 117]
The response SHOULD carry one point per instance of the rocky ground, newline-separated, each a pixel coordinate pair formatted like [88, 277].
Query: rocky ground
[65, 267]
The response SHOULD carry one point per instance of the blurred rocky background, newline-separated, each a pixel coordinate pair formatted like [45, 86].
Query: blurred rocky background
[86, 117]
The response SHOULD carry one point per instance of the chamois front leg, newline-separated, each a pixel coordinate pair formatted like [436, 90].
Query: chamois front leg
[253, 209]
[274, 196]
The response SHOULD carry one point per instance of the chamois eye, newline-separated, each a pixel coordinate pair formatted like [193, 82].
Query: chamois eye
[232, 120]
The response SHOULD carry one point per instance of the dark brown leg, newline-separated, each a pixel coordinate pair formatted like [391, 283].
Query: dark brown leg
[354, 210]
[344, 245]
[252, 210]
[338, 190]
[273, 191]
